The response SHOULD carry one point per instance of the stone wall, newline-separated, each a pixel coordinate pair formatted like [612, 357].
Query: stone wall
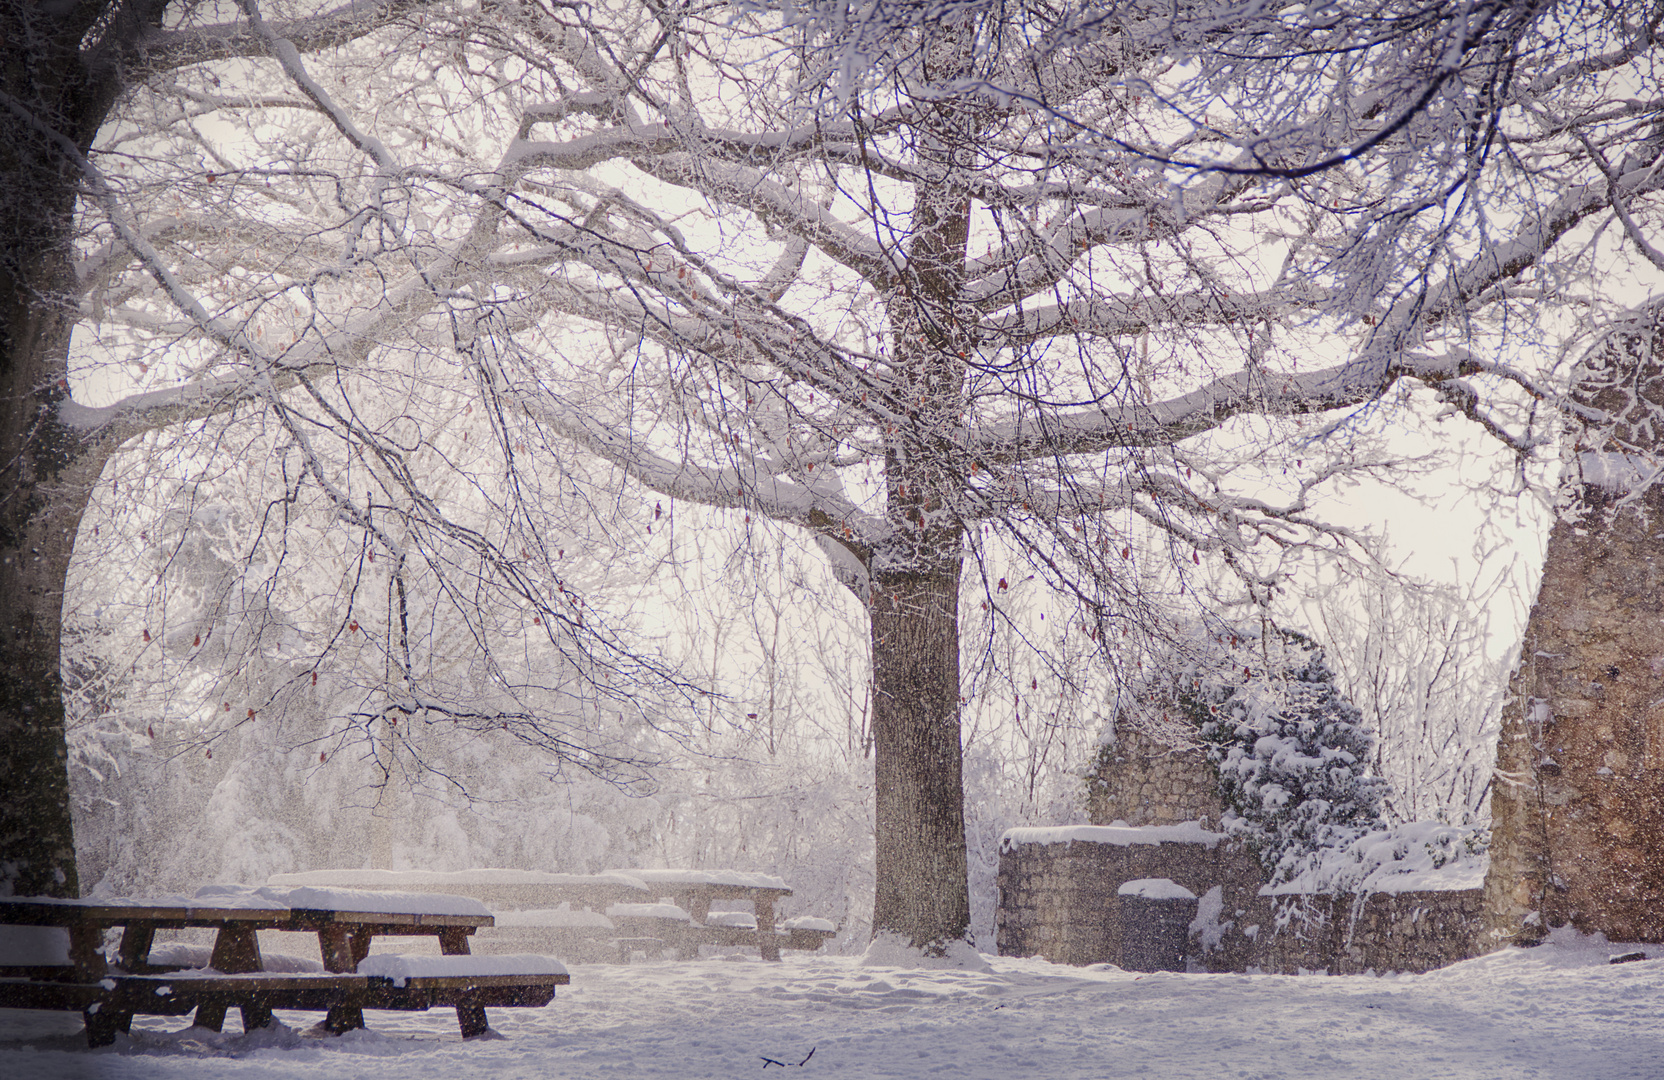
[1058, 900]
[1141, 780]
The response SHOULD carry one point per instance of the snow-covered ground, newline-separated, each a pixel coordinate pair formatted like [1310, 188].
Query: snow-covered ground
[1560, 1010]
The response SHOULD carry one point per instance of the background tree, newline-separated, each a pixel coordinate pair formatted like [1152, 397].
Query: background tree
[175, 353]
[65, 67]
[1049, 310]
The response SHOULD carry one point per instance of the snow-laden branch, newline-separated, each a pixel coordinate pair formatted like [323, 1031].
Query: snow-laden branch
[1246, 392]
[751, 483]
[166, 50]
[661, 152]
[1038, 261]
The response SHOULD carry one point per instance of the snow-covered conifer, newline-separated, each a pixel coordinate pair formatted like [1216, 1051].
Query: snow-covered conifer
[1290, 748]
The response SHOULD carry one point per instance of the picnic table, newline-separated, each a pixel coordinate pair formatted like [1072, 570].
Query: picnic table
[345, 921]
[621, 901]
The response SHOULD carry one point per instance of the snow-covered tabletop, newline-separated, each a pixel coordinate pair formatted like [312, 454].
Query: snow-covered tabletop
[471, 881]
[358, 901]
[562, 916]
[648, 911]
[57, 911]
[721, 879]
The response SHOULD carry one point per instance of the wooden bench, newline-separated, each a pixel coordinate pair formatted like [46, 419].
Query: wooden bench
[110, 1004]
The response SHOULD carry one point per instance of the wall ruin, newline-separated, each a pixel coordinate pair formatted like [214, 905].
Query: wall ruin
[1058, 900]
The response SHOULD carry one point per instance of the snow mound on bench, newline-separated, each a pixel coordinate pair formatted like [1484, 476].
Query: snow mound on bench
[809, 922]
[400, 968]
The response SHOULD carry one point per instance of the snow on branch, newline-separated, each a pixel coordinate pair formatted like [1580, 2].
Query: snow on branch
[187, 45]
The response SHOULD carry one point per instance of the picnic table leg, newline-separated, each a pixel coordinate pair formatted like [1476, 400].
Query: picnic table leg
[103, 1022]
[339, 957]
[84, 945]
[699, 908]
[136, 940]
[236, 952]
[453, 941]
[767, 940]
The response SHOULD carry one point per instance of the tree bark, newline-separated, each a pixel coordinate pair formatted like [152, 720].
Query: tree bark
[1577, 802]
[42, 496]
[42, 465]
[922, 893]
[61, 72]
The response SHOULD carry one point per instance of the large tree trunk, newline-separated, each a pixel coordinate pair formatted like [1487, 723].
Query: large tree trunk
[922, 893]
[45, 472]
[1577, 803]
[37, 533]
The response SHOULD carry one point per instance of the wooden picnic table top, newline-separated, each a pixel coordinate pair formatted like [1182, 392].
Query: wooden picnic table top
[718, 884]
[179, 912]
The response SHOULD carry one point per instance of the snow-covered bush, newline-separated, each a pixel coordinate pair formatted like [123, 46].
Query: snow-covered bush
[1410, 856]
[1290, 749]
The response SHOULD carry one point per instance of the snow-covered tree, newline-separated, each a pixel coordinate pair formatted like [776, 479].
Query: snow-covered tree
[1289, 747]
[439, 596]
[1044, 295]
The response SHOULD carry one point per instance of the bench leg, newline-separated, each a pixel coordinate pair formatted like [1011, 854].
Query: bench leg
[699, 908]
[470, 1018]
[338, 955]
[256, 1015]
[210, 1015]
[343, 1018]
[103, 1023]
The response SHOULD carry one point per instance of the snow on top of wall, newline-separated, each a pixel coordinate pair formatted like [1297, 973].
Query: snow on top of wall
[1413, 857]
[1158, 888]
[1189, 832]
[1616, 472]
[400, 967]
